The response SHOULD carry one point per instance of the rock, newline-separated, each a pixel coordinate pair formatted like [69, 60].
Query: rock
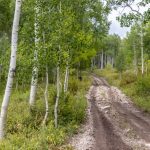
[105, 107]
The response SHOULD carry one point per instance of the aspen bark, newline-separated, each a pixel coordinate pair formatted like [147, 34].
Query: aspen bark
[12, 68]
[57, 97]
[112, 61]
[46, 86]
[105, 60]
[142, 50]
[102, 60]
[34, 79]
[66, 78]
[135, 61]
[58, 81]
[99, 61]
[46, 99]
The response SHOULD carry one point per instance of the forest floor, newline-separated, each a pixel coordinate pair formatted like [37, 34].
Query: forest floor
[113, 122]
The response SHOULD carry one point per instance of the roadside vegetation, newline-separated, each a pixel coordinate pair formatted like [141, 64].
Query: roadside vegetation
[136, 87]
[24, 128]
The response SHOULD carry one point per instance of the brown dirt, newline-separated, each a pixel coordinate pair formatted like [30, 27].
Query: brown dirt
[104, 133]
[105, 136]
[116, 123]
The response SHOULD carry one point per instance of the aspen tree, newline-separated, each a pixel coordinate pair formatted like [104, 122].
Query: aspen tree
[12, 68]
[58, 81]
[102, 60]
[34, 79]
[66, 77]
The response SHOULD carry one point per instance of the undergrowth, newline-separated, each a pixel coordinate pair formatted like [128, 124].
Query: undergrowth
[24, 130]
[136, 87]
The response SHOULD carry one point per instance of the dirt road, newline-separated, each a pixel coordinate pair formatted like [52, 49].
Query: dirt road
[113, 123]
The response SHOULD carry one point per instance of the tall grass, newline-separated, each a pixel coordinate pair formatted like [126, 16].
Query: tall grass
[24, 130]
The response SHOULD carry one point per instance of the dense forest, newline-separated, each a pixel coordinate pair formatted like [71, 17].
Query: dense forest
[49, 50]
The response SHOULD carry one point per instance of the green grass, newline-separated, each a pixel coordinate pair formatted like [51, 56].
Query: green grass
[24, 130]
[140, 99]
[131, 85]
[111, 75]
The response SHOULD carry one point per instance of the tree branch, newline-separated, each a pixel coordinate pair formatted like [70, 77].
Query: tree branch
[134, 9]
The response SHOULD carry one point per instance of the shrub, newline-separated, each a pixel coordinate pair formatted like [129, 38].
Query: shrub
[143, 85]
[68, 109]
[73, 85]
[24, 129]
[127, 78]
[109, 67]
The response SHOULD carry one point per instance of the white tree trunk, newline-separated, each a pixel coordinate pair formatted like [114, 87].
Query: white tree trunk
[102, 60]
[66, 78]
[12, 68]
[34, 79]
[99, 61]
[105, 60]
[135, 61]
[46, 99]
[110, 61]
[58, 81]
[57, 97]
[142, 50]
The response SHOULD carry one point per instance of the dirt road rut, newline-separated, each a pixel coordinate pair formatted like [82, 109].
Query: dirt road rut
[113, 123]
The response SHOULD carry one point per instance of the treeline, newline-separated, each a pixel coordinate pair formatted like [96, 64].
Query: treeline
[126, 54]
[132, 52]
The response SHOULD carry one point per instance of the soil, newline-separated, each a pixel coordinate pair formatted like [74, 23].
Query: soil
[113, 122]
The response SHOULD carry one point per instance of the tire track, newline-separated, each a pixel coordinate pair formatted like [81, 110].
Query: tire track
[115, 123]
[132, 115]
[104, 133]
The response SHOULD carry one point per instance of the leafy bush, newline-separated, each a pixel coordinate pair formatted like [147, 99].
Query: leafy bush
[127, 78]
[143, 85]
[73, 85]
[143, 102]
[109, 67]
[72, 109]
[24, 130]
